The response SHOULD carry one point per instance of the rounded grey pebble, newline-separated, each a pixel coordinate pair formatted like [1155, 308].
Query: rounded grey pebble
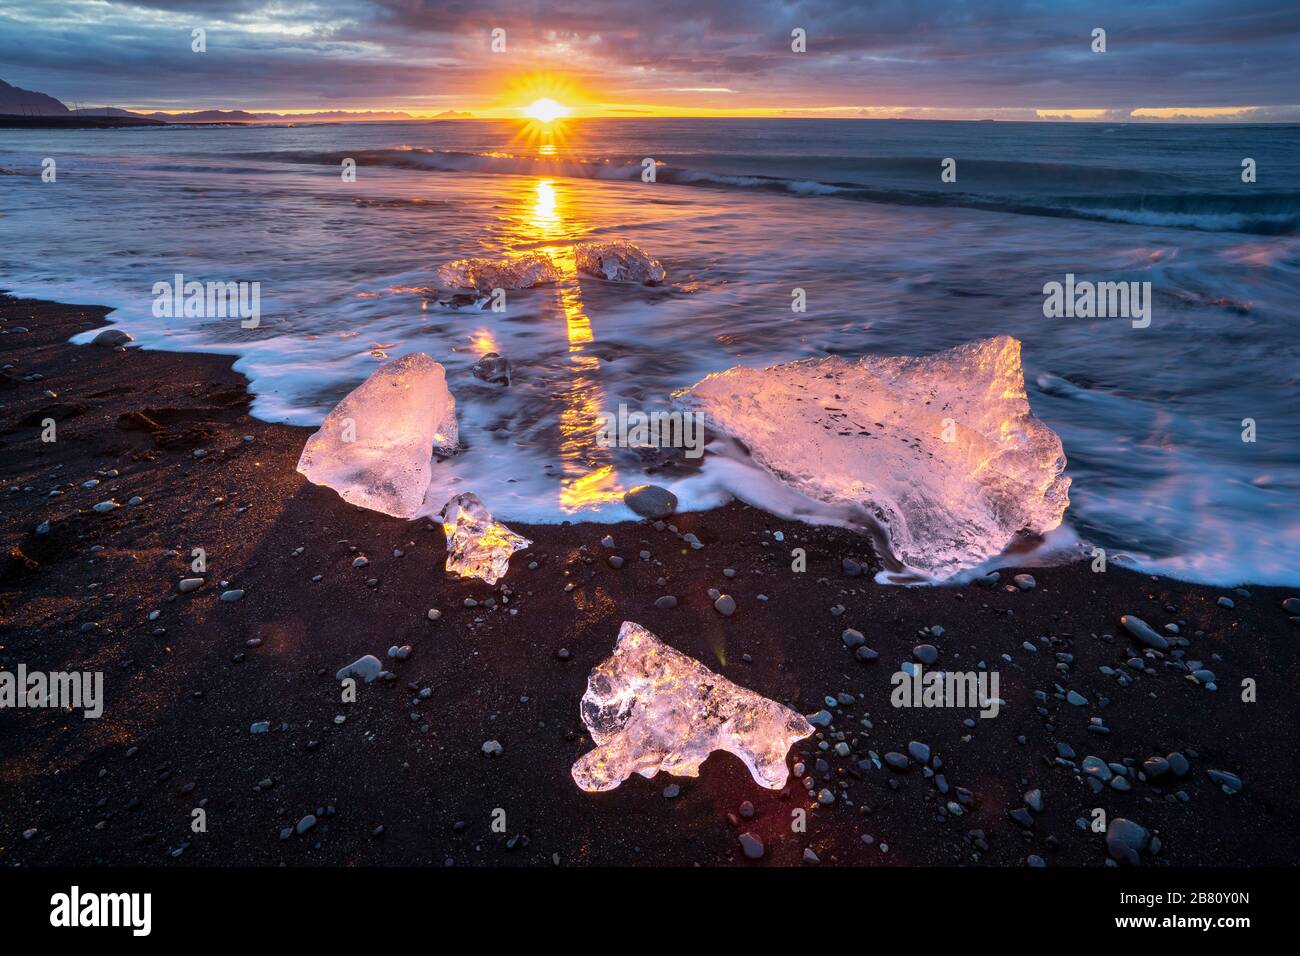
[651, 501]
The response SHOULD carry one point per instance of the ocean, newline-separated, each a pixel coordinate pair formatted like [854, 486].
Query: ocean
[891, 261]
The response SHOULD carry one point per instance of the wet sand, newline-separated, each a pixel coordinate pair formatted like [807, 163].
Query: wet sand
[404, 780]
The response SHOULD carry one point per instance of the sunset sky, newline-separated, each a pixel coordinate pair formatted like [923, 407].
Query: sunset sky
[1003, 59]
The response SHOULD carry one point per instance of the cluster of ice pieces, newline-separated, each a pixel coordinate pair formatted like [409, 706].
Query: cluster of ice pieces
[618, 262]
[650, 708]
[375, 448]
[477, 544]
[483, 275]
[943, 451]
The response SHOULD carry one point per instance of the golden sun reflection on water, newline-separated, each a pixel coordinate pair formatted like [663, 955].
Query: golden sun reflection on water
[589, 475]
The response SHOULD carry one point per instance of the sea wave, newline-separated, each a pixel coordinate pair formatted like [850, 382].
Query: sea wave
[1020, 188]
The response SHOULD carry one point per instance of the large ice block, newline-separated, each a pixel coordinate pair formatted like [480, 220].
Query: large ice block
[376, 447]
[942, 451]
[650, 708]
[522, 271]
[477, 544]
[618, 262]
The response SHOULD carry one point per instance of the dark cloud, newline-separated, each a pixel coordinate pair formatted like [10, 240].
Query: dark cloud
[993, 55]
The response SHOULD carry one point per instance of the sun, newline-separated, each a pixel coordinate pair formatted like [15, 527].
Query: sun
[545, 110]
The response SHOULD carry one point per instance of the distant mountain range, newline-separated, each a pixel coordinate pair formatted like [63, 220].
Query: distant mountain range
[19, 102]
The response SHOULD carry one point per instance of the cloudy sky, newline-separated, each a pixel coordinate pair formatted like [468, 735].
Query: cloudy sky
[1014, 59]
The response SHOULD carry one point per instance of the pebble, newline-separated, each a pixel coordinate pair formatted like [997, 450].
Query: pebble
[751, 845]
[1143, 632]
[1034, 800]
[368, 668]
[261, 727]
[825, 797]
[615, 561]
[109, 505]
[1226, 602]
[360, 562]
[1075, 698]
[651, 501]
[233, 595]
[672, 791]
[747, 810]
[852, 638]
[665, 602]
[492, 748]
[1230, 782]
[305, 824]
[725, 605]
[851, 568]
[919, 752]
[926, 653]
[1125, 840]
[111, 338]
[821, 719]
[896, 761]
[810, 857]
[866, 654]
[399, 653]
[1025, 582]
[433, 614]
[189, 584]
[607, 541]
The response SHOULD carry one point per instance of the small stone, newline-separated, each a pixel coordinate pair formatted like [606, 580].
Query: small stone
[433, 614]
[926, 653]
[852, 638]
[810, 857]
[189, 584]
[672, 791]
[607, 542]
[492, 748]
[232, 596]
[111, 338]
[615, 561]
[665, 602]
[305, 824]
[851, 568]
[360, 562]
[1075, 698]
[866, 654]
[1226, 602]
[725, 605]
[1025, 582]
[1034, 800]
[651, 501]
[261, 727]
[104, 506]
[751, 845]
[896, 761]
[1143, 632]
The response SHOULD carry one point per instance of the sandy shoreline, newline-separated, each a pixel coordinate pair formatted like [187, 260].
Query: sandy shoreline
[403, 779]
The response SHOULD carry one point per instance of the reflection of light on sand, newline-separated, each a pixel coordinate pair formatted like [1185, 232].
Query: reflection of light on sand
[589, 476]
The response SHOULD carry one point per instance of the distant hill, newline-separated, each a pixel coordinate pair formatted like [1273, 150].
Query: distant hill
[452, 114]
[204, 116]
[19, 102]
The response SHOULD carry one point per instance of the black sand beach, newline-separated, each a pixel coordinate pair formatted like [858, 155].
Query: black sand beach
[397, 778]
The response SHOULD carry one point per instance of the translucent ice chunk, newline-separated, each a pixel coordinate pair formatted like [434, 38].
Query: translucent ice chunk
[650, 708]
[618, 262]
[942, 451]
[516, 272]
[376, 447]
[477, 544]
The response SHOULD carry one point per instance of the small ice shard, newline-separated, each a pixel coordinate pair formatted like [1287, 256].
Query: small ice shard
[618, 262]
[650, 708]
[376, 447]
[515, 272]
[477, 544]
[942, 451]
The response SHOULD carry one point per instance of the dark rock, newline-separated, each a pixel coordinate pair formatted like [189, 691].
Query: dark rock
[651, 501]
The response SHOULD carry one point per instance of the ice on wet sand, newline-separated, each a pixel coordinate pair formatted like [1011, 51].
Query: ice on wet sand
[618, 262]
[477, 544]
[376, 447]
[514, 272]
[649, 707]
[943, 450]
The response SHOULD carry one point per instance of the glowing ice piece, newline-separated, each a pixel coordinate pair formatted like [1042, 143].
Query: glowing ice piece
[516, 272]
[618, 262]
[477, 544]
[650, 708]
[376, 447]
[942, 450]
